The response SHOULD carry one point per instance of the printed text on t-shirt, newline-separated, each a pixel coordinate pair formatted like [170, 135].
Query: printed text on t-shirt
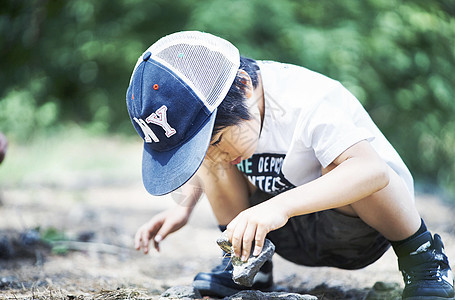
[264, 171]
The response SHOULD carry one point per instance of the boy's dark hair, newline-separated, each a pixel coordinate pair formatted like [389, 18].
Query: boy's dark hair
[232, 109]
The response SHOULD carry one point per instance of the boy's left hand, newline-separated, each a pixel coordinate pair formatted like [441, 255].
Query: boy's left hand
[252, 225]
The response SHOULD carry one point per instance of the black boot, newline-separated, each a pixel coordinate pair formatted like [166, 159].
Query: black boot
[425, 268]
[219, 283]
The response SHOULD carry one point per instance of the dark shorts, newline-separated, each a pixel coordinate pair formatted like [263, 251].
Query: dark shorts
[326, 238]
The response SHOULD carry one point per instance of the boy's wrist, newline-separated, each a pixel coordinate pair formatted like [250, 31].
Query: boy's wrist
[279, 205]
[183, 211]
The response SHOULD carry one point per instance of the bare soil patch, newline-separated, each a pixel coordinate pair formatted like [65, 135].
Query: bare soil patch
[91, 217]
[97, 258]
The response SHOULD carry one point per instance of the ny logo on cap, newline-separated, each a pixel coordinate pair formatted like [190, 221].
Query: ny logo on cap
[159, 117]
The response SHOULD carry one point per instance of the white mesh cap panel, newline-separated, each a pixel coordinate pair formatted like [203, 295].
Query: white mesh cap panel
[208, 64]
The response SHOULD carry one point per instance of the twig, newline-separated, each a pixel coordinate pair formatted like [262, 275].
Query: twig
[87, 246]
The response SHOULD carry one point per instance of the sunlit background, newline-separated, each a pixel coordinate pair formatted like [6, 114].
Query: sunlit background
[65, 67]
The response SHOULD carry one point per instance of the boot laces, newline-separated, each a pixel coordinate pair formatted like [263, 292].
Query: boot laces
[430, 270]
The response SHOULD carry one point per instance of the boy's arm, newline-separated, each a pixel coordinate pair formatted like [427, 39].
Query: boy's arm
[359, 172]
[226, 188]
[170, 220]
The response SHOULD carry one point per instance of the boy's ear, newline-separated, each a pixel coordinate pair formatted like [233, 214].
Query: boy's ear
[246, 80]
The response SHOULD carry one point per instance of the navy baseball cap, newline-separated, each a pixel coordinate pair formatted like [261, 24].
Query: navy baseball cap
[175, 89]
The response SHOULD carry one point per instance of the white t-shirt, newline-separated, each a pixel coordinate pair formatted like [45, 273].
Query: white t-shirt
[309, 121]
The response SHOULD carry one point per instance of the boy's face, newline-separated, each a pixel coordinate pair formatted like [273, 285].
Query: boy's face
[238, 142]
[235, 143]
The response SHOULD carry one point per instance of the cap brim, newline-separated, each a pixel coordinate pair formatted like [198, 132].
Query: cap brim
[164, 172]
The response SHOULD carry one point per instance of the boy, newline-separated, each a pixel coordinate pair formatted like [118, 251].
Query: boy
[280, 151]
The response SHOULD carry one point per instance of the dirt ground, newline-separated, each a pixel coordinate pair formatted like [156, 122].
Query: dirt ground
[100, 223]
[96, 257]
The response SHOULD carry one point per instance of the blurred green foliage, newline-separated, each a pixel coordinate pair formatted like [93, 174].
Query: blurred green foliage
[67, 61]
[54, 237]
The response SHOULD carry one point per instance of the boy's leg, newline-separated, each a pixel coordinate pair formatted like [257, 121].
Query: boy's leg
[421, 259]
[391, 211]
[228, 192]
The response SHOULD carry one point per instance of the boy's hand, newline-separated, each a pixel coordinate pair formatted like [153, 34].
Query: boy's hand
[252, 225]
[159, 227]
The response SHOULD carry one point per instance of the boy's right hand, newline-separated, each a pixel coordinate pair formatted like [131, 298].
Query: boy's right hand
[159, 227]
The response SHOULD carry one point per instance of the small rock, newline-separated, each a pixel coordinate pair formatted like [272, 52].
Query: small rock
[384, 291]
[9, 282]
[385, 286]
[86, 236]
[181, 292]
[6, 248]
[244, 272]
[29, 237]
[258, 295]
